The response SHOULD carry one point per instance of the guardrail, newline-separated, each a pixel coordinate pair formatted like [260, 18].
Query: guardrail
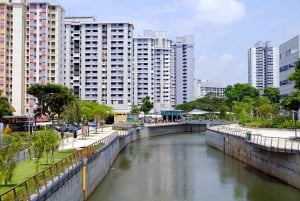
[96, 146]
[163, 123]
[34, 186]
[270, 143]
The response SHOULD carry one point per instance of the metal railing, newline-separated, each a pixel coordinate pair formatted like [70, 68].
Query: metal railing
[34, 186]
[163, 123]
[271, 143]
[96, 146]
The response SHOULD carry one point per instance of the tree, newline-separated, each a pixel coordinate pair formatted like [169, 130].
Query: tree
[38, 147]
[7, 154]
[52, 141]
[100, 113]
[146, 105]
[86, 110]
[238, 92]
[71, 112]
[4, 106]
[135, 109]
[292, 102]
[51, 98]
[241, 109]
[92, 111]
[272, 94]
[207, 103]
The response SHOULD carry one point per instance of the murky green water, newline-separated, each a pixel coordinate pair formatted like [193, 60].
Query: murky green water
[182, 168]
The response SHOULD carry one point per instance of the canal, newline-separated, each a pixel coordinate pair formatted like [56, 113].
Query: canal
[182, 168]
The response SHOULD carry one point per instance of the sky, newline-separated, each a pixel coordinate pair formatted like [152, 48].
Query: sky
[223, 30]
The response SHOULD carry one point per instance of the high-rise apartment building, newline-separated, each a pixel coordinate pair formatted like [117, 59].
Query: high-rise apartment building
[263, 66]
[289, 54]
[184, 69]
[98, 64]
[154, 69]
[31, 49]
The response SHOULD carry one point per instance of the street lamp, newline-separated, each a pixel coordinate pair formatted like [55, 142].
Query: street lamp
[295, 119]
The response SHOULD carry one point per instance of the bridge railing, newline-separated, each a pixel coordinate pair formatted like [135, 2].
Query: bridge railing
[273, 143]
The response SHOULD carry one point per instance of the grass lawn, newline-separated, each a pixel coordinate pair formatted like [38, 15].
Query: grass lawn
[27, 169]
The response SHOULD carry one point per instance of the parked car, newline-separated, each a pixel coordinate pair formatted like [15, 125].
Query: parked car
[93, 124]
[74, 128]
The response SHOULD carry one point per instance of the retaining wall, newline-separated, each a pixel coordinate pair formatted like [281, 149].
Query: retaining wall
[284, 166]
[95, 167]
[99, 165]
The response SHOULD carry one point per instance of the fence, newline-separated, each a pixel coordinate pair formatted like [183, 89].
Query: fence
[271, 143]
[34, 186]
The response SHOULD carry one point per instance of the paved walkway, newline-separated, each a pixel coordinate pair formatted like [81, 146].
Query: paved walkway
[272, 139]
[80, 141]
[268, 132]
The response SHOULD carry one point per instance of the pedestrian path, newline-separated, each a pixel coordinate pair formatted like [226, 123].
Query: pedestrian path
[280, 140]
[268, 132]
[81, 141]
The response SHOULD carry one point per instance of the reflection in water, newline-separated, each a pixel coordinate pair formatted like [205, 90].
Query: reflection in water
[182, 168]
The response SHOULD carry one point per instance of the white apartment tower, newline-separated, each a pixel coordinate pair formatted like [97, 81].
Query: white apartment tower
[31, 49]
[263, 66]
[98, 64]
[184, 69]
[154, 70]
[289, 54]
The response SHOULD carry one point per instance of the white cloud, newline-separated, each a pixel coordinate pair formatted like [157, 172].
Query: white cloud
[220, 11]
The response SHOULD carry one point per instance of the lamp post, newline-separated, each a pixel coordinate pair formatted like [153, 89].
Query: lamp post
[295, 121]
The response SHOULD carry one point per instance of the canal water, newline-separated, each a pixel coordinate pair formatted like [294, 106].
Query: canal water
[181, 167]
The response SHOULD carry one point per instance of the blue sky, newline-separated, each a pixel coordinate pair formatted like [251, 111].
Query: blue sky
[223, 30]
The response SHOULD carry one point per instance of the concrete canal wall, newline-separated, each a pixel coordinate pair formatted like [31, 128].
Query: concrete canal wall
[98, 166]
[284, 165]
[79, 183]
[70, 189]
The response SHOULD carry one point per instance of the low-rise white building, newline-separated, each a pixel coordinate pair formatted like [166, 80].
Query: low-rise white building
[205, 86]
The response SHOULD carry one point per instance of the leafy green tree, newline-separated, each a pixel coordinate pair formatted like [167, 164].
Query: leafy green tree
[272, 94]
[51, 98]
[146, 105]
[5, 108]
[206, 103]
[71, 112]
[92, 111]
[52, 141]
[7, 154]
[241, 110]
[239, 92]
[86, 110]
[224, 109]
[135, 109]
[101, 112]
[46, 141]
[292, 102]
